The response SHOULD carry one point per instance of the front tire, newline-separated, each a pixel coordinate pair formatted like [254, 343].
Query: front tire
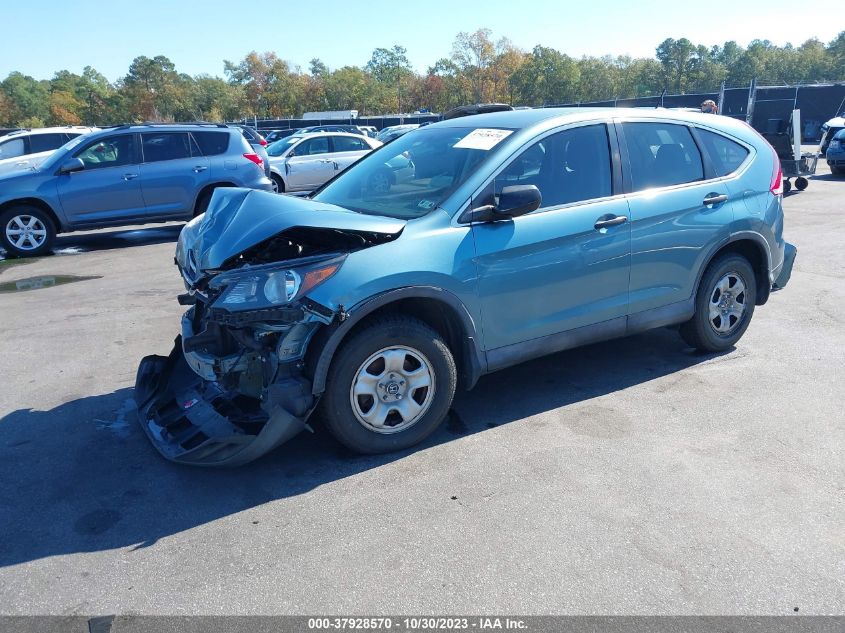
[389, 387]
[724, 305]
[278, 183]
[26, 231]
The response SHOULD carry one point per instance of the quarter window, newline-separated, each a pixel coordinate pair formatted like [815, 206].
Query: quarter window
[212, 143]
[109, 152]
[725, 154]
[165, 146]
[661, 155]
[569, 166]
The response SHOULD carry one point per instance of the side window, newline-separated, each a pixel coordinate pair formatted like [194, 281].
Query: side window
[165, 146]
[212, 143]
[661, 154]
[319, 145]
[569, 166]
[12, 149]
[112, 151]
[45, 142]
[726, 155]
[348, 144]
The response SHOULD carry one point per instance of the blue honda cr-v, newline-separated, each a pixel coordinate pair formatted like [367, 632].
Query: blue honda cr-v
[508, 236]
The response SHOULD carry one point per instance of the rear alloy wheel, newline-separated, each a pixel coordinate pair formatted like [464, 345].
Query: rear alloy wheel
[389, 387]
[27, 231]
[724, 305]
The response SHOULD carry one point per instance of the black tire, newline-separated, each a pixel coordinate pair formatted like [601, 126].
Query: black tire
[27, 214]
[278, 182]
[336, 408]
[837, 171]
[787, 186]
[203, 202]
[801, 183]
[699, 332]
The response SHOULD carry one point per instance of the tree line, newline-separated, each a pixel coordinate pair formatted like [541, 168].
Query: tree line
[479, 68]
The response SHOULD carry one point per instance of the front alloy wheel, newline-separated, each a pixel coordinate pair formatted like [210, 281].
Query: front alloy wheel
[27, 231]
[392, 390]
[390, 385]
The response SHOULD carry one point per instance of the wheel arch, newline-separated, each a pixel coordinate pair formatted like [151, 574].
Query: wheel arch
[438, 308]
[35, 202]
[754, 248]
[208, 188]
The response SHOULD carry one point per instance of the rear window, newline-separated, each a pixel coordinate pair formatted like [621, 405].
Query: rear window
[725, 154]
[661, 155]
[212, 143]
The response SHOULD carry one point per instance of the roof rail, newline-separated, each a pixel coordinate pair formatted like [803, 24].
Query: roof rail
[183, 123]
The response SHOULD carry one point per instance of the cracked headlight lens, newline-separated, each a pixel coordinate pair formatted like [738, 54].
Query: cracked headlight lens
[264, 287]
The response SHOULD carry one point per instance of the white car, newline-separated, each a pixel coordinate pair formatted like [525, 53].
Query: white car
[303, 162]
[26, 149]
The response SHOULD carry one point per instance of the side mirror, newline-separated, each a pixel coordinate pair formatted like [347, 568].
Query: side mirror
[518, 200]
[71, 165]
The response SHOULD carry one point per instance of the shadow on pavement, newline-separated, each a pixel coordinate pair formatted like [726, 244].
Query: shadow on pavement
[73, 243]
[82, 477]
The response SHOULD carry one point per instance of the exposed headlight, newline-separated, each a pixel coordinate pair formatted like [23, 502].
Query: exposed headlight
[267, 286]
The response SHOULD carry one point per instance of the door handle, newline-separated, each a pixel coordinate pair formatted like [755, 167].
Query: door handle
[607, 221]
[129, 176]
[200, 168]
[714, 198]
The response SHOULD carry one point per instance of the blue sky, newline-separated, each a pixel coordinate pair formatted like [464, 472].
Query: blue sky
[198, 36]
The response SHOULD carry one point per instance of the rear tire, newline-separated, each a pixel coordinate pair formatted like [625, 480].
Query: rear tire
[787, 187]
[389, 387]
[837, 171]
[26, 231]
[724, 305]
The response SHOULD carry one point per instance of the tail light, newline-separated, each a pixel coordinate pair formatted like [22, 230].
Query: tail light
[263, 142]
[255, 158]
[777, 177]
[776, 186]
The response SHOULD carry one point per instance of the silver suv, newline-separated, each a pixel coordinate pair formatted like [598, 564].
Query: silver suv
[130, 174]
[23, 149]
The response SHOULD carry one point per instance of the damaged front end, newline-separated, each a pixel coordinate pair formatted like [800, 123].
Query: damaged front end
[234, 386]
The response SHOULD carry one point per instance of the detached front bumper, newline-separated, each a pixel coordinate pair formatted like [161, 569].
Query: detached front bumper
[785, 272]
[195, 421]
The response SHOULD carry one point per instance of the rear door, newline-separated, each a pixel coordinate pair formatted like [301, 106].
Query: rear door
[108, 189]
[679, 210]
[172, 173]
[310, 166]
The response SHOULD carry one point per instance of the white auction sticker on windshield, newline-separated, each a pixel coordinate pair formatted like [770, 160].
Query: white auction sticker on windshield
[483, 138]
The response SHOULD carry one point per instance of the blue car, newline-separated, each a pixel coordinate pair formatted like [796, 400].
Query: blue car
[130, 174]
[835, 154]
[512, 235]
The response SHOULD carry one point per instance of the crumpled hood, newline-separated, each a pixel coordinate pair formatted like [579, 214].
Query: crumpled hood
[238, 219]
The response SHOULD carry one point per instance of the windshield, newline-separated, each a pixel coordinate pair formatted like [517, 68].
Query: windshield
[281, 146]
[414, 174]
[60, 153]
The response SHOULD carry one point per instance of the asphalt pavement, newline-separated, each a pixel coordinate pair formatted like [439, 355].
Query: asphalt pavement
[629, 477]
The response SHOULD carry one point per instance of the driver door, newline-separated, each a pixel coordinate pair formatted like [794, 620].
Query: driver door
[310, 166]
[109, 188]
[561, 267]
